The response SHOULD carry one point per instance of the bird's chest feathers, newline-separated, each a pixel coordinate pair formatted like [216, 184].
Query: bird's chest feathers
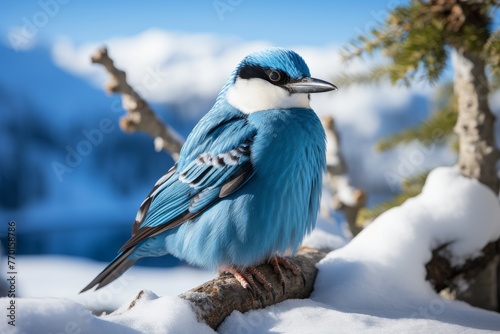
[289, 142]
[252, 95]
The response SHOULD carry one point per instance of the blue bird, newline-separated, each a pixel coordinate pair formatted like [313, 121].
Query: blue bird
[246, 188]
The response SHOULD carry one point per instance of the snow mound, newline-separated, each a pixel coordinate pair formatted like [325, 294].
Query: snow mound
[58, 315]
[374, 284]
[391, 253]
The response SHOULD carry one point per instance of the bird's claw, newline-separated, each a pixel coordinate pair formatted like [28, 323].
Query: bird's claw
[246, 278]
[278, 261]
[262, 280]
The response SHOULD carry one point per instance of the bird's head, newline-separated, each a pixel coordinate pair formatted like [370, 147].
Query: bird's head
[273, 79]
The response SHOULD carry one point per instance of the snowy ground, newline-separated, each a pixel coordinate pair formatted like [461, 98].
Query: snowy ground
[58, 276]
[374, 284]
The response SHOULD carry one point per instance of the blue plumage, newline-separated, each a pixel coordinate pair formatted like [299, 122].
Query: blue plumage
[247, 183]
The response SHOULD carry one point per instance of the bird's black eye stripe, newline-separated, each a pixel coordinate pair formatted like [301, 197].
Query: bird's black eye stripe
[276, 77]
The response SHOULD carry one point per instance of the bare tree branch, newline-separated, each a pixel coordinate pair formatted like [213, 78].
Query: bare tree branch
[214, 300]
[140, 117]
[344, 197]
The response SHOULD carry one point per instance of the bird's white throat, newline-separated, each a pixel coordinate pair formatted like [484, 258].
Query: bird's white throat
[252, 95]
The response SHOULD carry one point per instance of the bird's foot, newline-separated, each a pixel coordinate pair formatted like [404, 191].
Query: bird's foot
[277, 262]
[246, 277]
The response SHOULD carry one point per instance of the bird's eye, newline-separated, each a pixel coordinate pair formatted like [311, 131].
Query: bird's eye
[274, 76]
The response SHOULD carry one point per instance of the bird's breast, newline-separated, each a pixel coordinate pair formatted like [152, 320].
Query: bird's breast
[274, 209]
[288, 139]
[288, 154]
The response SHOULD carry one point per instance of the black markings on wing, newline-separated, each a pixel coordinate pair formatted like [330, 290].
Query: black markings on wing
[210, 171]
[147, 232]
[237, 181]
[210, 177]
[143, 209]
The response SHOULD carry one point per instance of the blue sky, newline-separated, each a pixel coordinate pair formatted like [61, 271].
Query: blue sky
[280, 22]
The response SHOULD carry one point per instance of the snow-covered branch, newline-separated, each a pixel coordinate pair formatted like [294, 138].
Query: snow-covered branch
[140, 117]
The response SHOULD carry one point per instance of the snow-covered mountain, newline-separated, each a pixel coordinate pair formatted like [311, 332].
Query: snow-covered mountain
[69, 177]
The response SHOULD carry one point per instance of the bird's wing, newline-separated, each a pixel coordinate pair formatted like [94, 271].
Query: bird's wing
[217, 166]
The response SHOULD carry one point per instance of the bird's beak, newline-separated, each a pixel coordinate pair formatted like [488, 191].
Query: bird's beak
[310, 85]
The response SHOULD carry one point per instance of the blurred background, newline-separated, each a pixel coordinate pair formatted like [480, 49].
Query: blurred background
[73, 187]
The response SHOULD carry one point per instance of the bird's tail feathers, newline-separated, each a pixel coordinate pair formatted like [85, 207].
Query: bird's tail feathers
[114, 270]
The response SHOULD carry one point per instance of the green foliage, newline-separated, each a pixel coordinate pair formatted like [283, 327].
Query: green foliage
[416, 37]
[495, 83]
[411, 187]
[435, 130]
[374, 76]
[492, 50]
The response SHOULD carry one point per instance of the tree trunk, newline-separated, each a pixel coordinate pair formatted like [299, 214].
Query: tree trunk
[478, 155]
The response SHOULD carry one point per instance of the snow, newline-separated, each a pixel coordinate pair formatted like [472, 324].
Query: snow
[64, 276]
[149, 316]
[59, 315]
[393, 250]
[308, 316]
[54, 305]
[375, 283]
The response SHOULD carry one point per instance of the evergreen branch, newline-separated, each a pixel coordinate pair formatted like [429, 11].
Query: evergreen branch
[411, 187]
[415, 38]
[437, 129]
[495, 83]
[374, 76]
[492, 50]
[445, 95]
[366, 216]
